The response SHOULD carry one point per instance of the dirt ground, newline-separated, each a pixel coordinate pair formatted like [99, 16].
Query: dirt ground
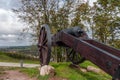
[17, 75]
[14, 75]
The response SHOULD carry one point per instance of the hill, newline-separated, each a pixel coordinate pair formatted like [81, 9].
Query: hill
[16, 57]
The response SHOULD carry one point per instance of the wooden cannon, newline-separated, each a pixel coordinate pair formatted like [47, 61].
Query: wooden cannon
[81, 48]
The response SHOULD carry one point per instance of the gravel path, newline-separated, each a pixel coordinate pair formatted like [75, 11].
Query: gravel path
[9, 64]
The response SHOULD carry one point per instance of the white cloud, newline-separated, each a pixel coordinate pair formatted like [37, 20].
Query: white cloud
[10, 26]
[9, 22]
[91, 2]
[10, 29]
[8, 36]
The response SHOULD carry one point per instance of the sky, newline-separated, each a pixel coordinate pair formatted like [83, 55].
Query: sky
[10, 26]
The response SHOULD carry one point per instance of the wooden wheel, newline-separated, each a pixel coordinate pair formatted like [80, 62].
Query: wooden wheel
[44, 45]
[74, 57]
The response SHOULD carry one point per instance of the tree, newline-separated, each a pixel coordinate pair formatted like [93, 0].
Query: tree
[34, 13]
[106, 19]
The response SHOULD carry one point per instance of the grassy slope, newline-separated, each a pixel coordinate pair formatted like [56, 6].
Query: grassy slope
[64, 71]
[6, 58]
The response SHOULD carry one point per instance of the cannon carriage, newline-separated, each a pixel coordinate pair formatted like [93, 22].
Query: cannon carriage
[79, 48]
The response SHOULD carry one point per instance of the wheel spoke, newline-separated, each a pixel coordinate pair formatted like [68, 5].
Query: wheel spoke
[45, 41]
[42, 35]
[74, 57]
[41, 57]
[45, 55]
[71, 52]
[44, 47]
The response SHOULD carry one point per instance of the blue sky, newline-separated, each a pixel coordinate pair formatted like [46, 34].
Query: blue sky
[10, 26]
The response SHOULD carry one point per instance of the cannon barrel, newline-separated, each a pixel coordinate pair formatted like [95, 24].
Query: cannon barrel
[75, 31]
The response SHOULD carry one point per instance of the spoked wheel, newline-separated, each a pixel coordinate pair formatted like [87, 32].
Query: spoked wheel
[44, 45]
[74, 57]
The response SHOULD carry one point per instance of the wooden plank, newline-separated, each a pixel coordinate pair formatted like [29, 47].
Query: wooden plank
[104, 47]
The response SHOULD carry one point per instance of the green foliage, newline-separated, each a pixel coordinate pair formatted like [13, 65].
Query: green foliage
[80, 15]
[112, 3]
[105, 21]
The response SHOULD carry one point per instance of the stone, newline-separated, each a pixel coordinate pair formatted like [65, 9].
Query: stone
[93, 69]
[83, 70]
[47, 70]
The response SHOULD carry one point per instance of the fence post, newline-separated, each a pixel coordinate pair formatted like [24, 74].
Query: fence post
[21, 63]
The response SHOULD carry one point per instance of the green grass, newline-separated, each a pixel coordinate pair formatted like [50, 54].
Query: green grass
[34, 72]
[6, 58]
[64, 71]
